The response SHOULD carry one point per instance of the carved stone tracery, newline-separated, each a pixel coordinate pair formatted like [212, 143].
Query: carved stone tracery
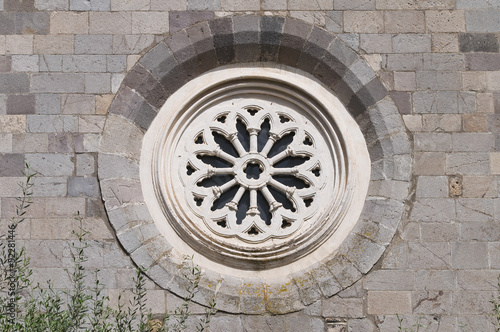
[254, 169]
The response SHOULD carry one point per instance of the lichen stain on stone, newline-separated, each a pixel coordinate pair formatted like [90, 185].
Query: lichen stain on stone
[284, 288]
[300, 282]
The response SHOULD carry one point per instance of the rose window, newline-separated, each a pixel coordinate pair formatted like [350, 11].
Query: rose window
[254, 168]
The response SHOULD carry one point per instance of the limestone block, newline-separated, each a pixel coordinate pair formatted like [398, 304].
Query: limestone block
[82, 5]
[478, 42]
[364, 324]
[53, 44]
[411, 43]
[36, 210]
[120, 140]
[445, 42]
[50, 186]
[25, 63]
[432, 302]
[469, 255]
[115, 258]
[479, 186]
[203, 5]
[32, 22]
[69, 23]
[84, 63]
[404, 21]
[150, 22]
[121, 191]
[83, 186]
[295, 322]
[474, 209]
[438, 232]
[51, 164]
[6, 143]
[14, 83]
[432, 186]
[174, 5]
[130, 44]
[441, 123]
[51, 123]
[468, 163]
[436, 280]
[183, 19]
[413, 122]
[428, 4]
[93, 44]
[51, 4]
[17, 6]
[21, 104]
[325, 280]
[283, 297]
[85, 164]
[396, 257]
[376, 43]
[240, 5]
[485, 104]
[50, 62]
[483, 20]
[102, 103]
[10, 186]
[404, 62]
[58, 82]
[477, 142]
[389, 302]
[310, 5]
[493, 80]
[28, 142]
[333, 21]
[46, 229]
[108, 23]
[445, 20]
[389, 280]
[343, 307]
[442, 61]
[77, 104]
[483, 61]
[431, 255]
[477, 4]
[363, 21]
[117, 5]
[404, 81]
[116, 63]
[438, 80]
[473, 303]
[434, 210]
[97, 83]
[113, 166]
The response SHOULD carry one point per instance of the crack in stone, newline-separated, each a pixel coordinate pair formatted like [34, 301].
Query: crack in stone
[434, 254]
[432, 299]
[475, 210]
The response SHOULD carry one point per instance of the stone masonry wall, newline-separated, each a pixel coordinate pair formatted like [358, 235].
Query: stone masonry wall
[62, 61]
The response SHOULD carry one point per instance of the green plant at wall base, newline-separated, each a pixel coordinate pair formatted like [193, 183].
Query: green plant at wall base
[27, 307]
[417, 325]
[496, 308]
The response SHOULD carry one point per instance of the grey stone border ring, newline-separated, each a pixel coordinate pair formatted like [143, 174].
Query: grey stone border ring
[234, 40]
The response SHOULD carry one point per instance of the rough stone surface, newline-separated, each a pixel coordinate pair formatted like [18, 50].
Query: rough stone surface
[81, 81]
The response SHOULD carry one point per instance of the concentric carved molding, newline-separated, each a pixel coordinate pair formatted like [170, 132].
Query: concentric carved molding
[255, 167]
[238, 40]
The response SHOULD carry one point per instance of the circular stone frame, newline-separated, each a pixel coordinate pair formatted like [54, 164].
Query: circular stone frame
[339, 198]
[202, 47]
